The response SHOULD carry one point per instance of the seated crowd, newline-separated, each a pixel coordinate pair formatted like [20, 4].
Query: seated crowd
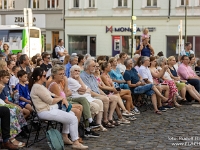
[82, 88]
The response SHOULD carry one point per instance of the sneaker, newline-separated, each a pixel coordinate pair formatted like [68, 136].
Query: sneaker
[185, 102]
[126, 113]
[135, 111]
[131, 118]
[93, 125]
[123, 121]
[168, 107]
[161, 108]
[91, 134]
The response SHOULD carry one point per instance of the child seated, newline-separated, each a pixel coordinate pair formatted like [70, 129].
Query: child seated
[6, 95]
[24, 93]
[14, 80]
[145, 34]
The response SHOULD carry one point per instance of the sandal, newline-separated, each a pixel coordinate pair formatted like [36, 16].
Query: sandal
[20, 144]
[158, 112]
[116, 123]
[108, 124]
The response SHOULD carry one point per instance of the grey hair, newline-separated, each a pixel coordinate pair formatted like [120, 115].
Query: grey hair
[143, 59]
[74, 67]
[126, 62]
[87, 63]
[72, 58]
[87, 56]
[56, 68]
[160, 60]
[136, 56]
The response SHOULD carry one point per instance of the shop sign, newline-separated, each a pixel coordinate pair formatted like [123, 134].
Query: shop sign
[38, 20]
[125, 29]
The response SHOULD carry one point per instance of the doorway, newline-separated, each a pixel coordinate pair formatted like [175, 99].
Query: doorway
[55, 38]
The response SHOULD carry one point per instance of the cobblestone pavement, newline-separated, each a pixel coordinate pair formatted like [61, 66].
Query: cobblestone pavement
[149, 132]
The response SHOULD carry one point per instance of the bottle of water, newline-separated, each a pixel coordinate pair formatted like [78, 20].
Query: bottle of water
[16, 98]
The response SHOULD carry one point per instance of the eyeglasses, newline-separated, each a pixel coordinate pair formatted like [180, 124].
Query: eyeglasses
[61, 74]
[77, 70]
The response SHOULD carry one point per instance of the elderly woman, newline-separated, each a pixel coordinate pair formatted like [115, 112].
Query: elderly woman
[59, 86]
[47, 108]
[174, 75]
[6, 51]
[79, 89]
[54, 85]
[173, 93]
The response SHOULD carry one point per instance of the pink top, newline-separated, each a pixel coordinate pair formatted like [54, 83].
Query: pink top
[185, 72]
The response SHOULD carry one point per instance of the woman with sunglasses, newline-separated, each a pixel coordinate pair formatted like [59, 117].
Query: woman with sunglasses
[47, 108]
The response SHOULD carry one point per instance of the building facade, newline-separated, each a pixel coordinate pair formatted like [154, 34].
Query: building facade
[47, 15]
[102, 27]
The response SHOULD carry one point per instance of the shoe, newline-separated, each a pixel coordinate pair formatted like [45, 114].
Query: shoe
[91, 134]
[177, 105]
[123, 121]
[80, 140]
[158, 112]
[93, 125]
[102, 128]
[131, 118]
[66, 140]
[126, 113]
[135, 111]
[162, 109]
[168, 107]
[20, 144]
[80, 146]
[9, 145]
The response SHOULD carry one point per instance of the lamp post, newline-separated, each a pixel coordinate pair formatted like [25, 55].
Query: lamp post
[132, 36]
[185, 21]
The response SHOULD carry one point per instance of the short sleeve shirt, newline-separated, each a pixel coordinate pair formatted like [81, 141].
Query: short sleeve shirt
[60, 49]
[90, 81]
[46, 67]
[5, 94]
[13, 81]
[23, 91]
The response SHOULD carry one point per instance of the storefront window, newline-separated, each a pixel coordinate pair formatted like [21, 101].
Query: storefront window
[197, 46]
[78, 44]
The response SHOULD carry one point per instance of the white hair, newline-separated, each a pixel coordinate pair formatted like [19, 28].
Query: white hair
[87, 63]
[74, 67]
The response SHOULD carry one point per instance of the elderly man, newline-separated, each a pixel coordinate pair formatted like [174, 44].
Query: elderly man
[145, 49]
[72, 61]
[137, 86]
[145, 73]
[90, 81]
[186, 73]
[24, 63]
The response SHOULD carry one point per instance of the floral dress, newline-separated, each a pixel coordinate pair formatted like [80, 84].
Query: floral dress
[17, 121]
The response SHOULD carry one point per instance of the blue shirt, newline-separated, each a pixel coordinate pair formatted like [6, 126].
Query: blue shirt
[67, 71]
[116, 74]
[90, 81]
[5, 94]
[145, 51]
[131, 75]
[23, 91]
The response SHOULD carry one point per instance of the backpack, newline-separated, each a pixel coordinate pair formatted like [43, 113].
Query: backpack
[54, 140]
[54, 55]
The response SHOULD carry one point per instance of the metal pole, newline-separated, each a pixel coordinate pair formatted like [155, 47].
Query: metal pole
[132, 36]
[185, 22]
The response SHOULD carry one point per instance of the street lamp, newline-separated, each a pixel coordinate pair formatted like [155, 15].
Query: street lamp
[185, 21]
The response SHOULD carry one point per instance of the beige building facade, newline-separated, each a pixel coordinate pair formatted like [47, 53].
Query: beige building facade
[48, 15]
[102, 27]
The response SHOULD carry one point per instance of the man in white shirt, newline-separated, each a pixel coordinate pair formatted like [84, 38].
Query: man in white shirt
[145, 73]
[60, 50]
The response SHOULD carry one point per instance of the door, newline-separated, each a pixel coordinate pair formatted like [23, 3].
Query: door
[55, 38]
